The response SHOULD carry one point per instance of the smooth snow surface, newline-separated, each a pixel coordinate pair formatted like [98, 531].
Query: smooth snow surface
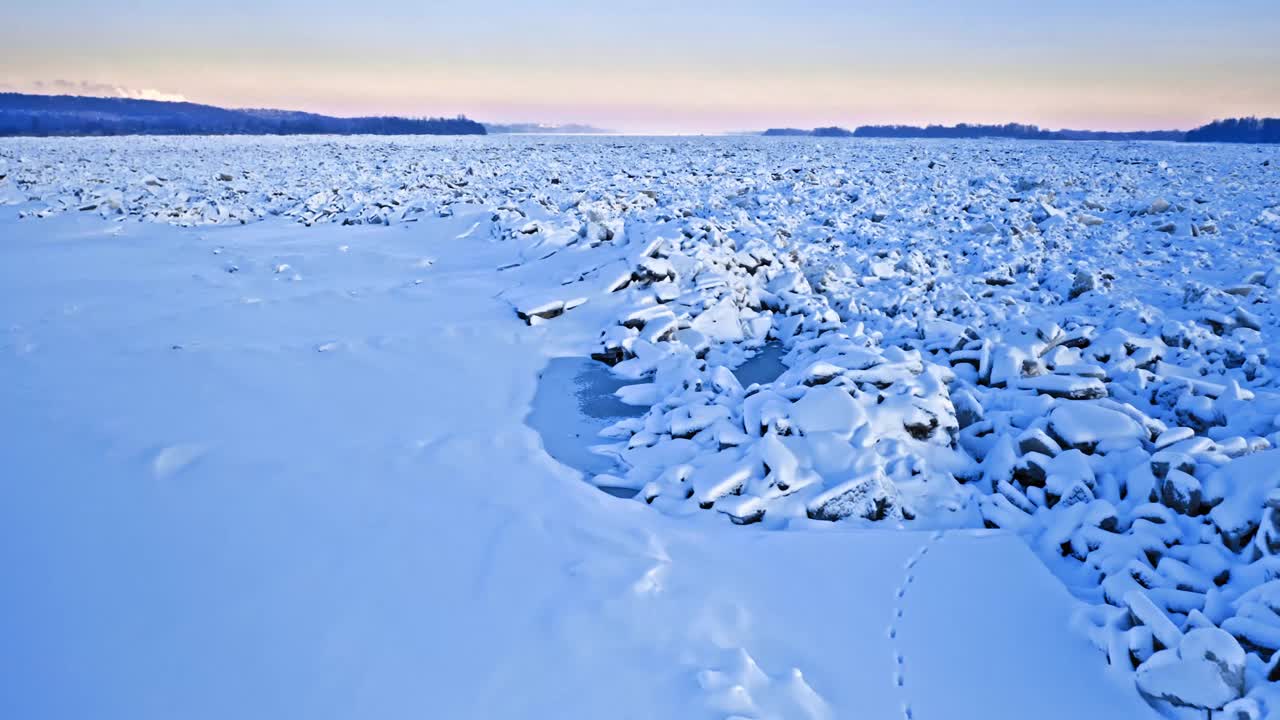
[300, 428]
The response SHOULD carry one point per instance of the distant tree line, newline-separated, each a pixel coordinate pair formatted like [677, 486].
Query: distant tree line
[1238, 130]
[44, 115]
[1244, 130]
[47, 115]
[816, 132]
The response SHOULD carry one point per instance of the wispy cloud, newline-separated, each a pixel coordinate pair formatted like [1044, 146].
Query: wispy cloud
[93, 89]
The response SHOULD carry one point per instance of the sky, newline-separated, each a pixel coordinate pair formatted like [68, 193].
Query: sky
[666, 65]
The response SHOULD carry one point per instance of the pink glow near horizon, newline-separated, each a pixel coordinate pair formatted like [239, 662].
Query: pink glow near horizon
[666, 67]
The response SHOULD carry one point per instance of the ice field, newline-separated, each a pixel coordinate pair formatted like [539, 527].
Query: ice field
[317, 427]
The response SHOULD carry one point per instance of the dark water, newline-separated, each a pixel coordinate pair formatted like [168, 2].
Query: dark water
[764, 367]
[573, 403]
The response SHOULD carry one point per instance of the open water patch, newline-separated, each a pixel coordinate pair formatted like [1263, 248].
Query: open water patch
[573, 402]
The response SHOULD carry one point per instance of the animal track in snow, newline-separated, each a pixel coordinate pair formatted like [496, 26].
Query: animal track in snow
[900, 660]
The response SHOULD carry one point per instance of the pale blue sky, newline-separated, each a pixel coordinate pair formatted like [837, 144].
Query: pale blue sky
[662, 65]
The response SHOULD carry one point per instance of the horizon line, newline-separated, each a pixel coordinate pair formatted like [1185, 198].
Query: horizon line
[597, 130]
